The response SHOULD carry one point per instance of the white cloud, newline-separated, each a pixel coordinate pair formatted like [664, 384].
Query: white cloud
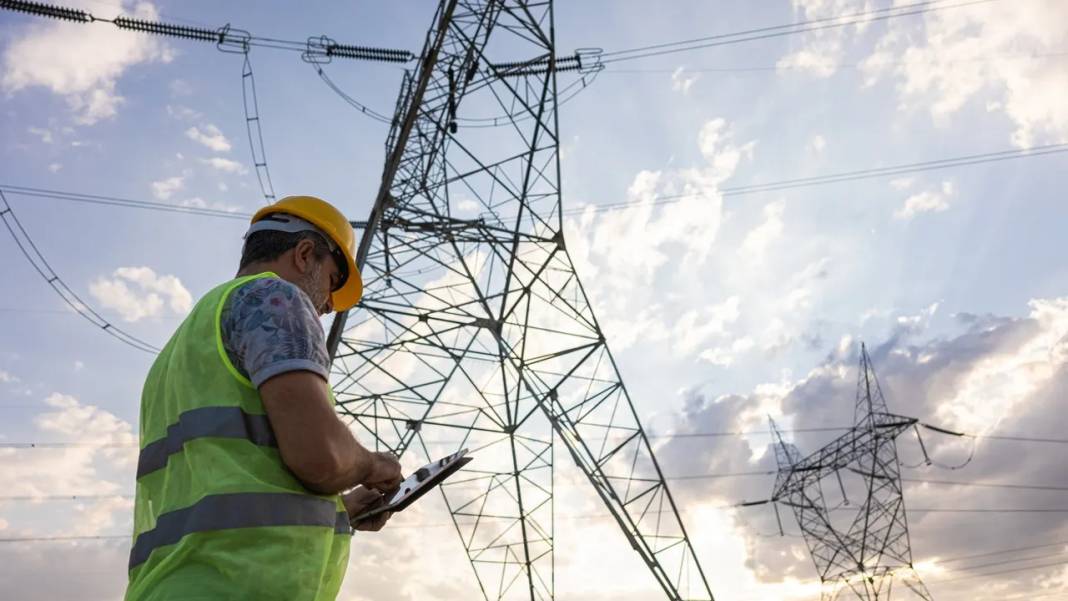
[183, 113]
[79, 62]
[200, 203]
[79, 468]
[166, 188]
[817, 144]
[995, 386]
[467, 205]
[180, 87]
[928, 201]
[138, 292]
[626, 256]
[1004, 56]
[724, 356]
[7, 378]
[917, 322]
[210, 137]
[55, 167]
[759, 238]
[696, 326]
[902, 183]
[681, 82]
[225, 165]
[44, 133]
[822, 50]
[1020, 76]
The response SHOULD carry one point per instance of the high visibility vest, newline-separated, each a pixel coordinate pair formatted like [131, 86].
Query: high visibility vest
[218, 515]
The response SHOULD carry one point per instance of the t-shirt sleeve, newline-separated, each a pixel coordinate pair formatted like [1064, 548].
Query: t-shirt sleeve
[269, 327]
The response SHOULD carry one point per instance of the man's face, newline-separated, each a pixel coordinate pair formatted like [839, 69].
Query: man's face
[322, 277]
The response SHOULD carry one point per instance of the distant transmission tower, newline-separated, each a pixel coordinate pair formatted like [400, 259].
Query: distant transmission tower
[474, 330]
[868, 550]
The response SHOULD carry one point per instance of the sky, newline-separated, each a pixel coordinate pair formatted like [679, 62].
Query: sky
[720, 310]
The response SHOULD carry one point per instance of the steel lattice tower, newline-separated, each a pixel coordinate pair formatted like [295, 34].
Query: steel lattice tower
[868, 551]
[474, 330]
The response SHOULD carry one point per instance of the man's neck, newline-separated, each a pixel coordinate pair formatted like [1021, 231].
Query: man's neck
[254, 268]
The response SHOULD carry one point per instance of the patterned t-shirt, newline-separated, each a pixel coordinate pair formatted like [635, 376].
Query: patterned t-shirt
[269, 327]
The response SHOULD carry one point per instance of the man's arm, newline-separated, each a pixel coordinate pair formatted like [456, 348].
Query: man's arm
[315, 445]
[272, 335]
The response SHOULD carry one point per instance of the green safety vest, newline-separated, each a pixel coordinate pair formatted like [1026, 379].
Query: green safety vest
[218, 515]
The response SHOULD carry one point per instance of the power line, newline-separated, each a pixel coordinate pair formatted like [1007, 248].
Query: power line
[904, 169]
[115, 201]
[226, 38]
[979, 510]
[1020, 438]
[999, 572]
[789, 29]
[34, 499]
[834, 178]
[1003, 562]
[1004, 551]
[987, 484]
[78, 496]
[745, 432]
[41, 539]
[40, 264]
[839, 65]
[65, 444]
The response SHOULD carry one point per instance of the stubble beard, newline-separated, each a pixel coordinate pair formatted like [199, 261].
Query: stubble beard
[309, 283]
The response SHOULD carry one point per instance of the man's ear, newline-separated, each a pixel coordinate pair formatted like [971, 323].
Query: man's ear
[303, 255]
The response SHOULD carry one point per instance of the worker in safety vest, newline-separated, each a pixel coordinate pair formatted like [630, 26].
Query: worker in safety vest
[242, 457]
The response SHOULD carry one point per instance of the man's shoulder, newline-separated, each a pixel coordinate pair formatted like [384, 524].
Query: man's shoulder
[261, 291]
[267, 304]
[269, 327]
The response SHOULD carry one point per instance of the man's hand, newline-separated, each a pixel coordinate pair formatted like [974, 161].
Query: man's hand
[360, 500]
[385, 473]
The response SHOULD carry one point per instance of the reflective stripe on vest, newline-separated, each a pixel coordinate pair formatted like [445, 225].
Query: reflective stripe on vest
[218, 422]
[239, 510]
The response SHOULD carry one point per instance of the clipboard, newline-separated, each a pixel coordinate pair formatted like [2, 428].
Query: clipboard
[418, 484]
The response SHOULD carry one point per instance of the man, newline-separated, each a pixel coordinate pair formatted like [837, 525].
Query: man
[242, 456]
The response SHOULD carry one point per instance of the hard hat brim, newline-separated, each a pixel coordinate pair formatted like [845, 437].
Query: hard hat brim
[349, 294]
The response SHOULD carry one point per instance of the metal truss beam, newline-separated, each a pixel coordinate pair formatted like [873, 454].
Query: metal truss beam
[868, 553]
[475, 330]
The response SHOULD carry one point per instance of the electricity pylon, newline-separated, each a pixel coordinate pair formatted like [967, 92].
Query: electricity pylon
[869, 549]
[474, 330]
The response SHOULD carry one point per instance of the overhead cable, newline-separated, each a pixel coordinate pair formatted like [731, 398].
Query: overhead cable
[64, 444]
[986, 484]
[877, 172]
[577, 518]
[225, 38]
[98, 199]
[40, 264]
[999, 572]
[839, 65]
[834, 178]
[789, 29]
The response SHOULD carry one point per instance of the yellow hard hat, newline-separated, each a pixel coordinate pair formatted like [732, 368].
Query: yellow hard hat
[327, 218]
